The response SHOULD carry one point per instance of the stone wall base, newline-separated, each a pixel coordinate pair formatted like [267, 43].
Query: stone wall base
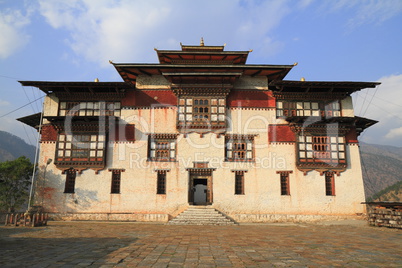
[109, 217]
[267, 218]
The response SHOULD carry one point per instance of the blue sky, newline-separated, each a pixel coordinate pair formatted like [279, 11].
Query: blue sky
[332, 40]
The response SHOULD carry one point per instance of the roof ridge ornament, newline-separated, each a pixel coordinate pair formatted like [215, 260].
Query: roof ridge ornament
[202, 42]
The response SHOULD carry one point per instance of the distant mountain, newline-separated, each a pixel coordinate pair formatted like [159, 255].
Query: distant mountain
[12, 147]
[382, 168]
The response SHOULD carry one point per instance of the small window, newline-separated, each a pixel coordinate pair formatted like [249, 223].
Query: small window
[239, 148]
[70, 181]
[162, 149]
[115, 188]
[239, 183]
[161, 183]
[329, 184]
[285, 189]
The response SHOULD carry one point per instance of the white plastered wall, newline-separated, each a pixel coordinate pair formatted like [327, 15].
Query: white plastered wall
[261, 182]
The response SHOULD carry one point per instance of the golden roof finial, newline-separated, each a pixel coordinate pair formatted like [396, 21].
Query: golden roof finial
[202, 41]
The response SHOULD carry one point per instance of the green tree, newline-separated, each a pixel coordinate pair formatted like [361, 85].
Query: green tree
[14, 183]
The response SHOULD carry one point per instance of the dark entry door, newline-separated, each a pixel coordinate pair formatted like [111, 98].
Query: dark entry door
[200, 191]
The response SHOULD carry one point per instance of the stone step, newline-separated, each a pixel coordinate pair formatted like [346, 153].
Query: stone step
[201, 215]
[202, 223]
[201, 218]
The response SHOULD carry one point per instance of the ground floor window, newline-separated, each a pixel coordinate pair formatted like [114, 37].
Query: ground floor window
[115, 188]
[239, 182]
[329, 184]
[70, 181]
[161, 182]
[285, 189]
[284, 181]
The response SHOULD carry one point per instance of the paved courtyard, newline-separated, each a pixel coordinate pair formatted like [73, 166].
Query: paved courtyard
[100, 244]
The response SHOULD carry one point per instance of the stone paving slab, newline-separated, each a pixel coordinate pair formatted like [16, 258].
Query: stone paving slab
[113, 244]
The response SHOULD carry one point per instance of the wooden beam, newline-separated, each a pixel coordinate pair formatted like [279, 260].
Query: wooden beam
[130, 72]
[144, 72]
[256, 73]
[67, 90]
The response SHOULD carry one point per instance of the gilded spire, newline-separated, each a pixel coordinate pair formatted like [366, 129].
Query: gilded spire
[202, 42]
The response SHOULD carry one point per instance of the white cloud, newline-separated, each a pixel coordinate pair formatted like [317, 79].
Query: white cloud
[382, 104]
[4, 103]
[393, 133]
[125, 30]
[13, 37]
[374, 11]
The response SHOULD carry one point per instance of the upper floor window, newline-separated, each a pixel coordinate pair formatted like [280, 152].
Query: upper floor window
[89, 108]
[201, 111]
[80, 148]
[321, 149]
[307, 108]
[162, 148]
[239, 148]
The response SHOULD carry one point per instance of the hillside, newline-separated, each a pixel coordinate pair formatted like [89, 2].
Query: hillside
[382, 167]
[391, 193]
[12, 147]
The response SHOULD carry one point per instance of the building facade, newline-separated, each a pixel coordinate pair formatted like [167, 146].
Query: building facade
[201, 127]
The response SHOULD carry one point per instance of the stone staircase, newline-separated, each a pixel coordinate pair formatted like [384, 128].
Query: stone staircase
[201, 215]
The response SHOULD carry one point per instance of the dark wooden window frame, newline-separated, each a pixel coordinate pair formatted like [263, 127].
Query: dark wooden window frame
[285, 182]
[69, 187]
[116, 181]
[161, 181]
[239, 182]
[329, 183]
[285, 185]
